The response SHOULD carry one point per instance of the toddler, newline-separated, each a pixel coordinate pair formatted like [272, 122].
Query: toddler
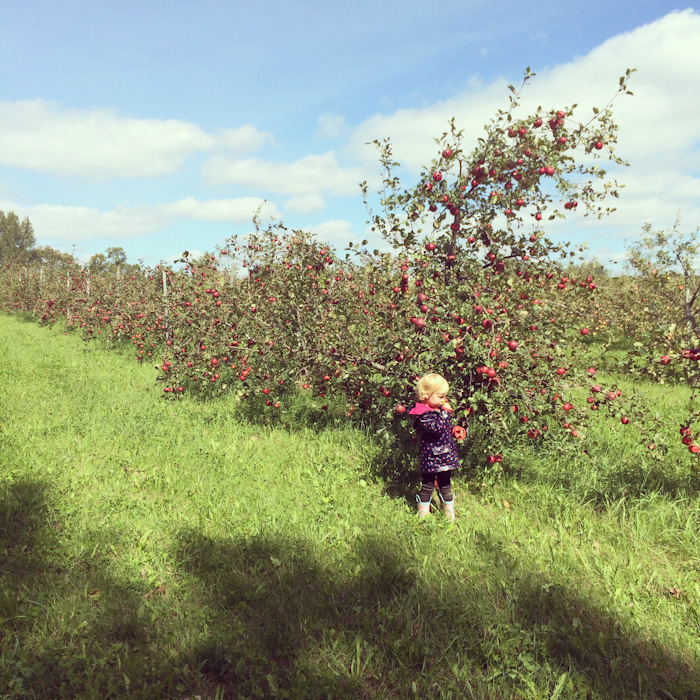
[437, 452]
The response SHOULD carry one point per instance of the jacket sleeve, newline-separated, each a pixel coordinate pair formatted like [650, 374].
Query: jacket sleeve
[433, 422]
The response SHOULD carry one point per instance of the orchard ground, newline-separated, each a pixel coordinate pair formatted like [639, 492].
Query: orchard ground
[178, 549]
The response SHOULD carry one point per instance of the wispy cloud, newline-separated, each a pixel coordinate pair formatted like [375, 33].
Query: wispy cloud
[245, 139]
[94, 144]
[77, 223]
[305, 204]
[330, 125]
[659, 134]
[337, 232]
[240, 210]
[310, 174]
[101, 144]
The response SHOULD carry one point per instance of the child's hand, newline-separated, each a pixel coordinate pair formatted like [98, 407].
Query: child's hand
[447, 406]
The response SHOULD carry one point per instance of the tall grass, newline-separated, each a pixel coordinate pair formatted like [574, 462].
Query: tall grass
[154, 549]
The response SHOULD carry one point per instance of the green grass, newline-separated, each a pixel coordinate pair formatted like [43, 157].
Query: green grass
[174, 549]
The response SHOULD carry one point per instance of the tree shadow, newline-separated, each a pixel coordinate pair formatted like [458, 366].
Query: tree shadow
[600, 481]
[293, 625]
[275, 616]
[23, 522]
[299, 413]
[634, 480]
[67, 625]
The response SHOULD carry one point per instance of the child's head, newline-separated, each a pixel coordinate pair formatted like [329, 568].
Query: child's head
[431, 384]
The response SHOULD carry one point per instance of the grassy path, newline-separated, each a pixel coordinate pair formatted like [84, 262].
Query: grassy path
[171, 549]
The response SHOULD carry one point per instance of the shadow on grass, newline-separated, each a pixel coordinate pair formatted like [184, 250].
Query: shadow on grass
[67, 625]
[300, 410]
[22, 521]
[269, 616]
[376, 630]
[636, 481]
[600, 480]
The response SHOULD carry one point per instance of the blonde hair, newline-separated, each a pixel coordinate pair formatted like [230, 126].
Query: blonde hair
[431, 384]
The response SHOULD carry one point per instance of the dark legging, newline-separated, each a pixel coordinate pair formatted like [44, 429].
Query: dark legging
[443, 480]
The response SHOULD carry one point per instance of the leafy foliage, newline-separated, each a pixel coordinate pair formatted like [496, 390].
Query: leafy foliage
[16, 239]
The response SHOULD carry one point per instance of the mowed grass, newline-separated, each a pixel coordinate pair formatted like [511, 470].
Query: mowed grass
[173, 549]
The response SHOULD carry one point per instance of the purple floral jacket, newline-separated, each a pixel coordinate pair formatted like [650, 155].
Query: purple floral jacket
[437, 451]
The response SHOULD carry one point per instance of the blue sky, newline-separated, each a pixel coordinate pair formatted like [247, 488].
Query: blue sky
[161, 126]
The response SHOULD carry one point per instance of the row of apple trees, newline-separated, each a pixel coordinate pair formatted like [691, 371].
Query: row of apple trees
[472, 288]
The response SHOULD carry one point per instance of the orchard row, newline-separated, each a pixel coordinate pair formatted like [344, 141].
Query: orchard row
[474, 289]
[515, 350]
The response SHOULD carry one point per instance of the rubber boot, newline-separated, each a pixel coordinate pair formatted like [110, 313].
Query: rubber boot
[423, 508]
[448, 508]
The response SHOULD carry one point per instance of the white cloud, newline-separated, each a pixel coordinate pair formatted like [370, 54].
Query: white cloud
[240, 210]
[659, 119]
[305, 203]
[337, 232]
[245, 139]
[412, 131]
[101, 144]
[77, 223]
[94, 144]
[313, 173]
[330, 125]
[659, 130]
[659, 134]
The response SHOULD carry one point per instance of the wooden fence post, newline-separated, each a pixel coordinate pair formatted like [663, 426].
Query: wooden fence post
[166, 314]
